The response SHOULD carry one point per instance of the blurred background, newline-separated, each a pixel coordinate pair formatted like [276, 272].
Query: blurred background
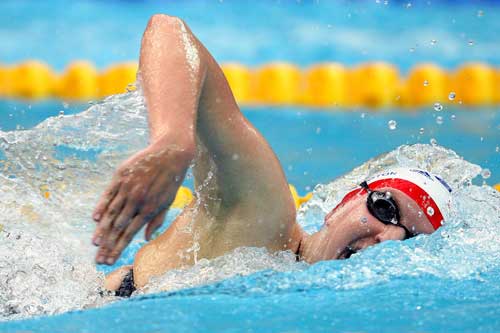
[329, 83]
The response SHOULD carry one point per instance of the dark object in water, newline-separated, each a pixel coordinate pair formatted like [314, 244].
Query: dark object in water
[127, 286]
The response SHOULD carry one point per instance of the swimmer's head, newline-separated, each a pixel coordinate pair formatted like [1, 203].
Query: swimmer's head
[394, 205]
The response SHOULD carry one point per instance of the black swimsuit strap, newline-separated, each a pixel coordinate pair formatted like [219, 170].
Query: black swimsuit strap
[127, 286]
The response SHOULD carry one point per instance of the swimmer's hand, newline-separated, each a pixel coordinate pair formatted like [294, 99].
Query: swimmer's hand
[141, 192]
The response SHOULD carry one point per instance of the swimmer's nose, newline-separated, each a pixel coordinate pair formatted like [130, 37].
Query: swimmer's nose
[390, 232]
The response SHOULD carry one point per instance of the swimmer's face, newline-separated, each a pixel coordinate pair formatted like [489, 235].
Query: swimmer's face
[351, 228]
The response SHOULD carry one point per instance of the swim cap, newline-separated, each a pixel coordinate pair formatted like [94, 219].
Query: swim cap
[430, 192]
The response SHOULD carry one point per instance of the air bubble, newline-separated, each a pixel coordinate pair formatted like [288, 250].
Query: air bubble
[470, 42]
[421, 131]
[433, 42]
[430, 211]
[439, 120]
[452, 95]
[433, 141]
[426, 83]
[388, 195]
[438, 107]
[364, 220]
[453, 117]
[486, 173]
[392, 124]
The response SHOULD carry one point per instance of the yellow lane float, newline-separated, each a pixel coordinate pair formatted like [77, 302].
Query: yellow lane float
[278, 83]
[115, 79]
[5, 81]
[474, 84]
[78, 82]
[374, 85]
[426, 84]
[325, 85]
[239, 78]
[33, 80]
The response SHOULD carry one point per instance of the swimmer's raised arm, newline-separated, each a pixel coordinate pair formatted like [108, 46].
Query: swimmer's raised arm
[145, 185]
[242, 192]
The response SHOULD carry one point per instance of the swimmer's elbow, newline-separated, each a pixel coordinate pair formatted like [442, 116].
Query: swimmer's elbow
[162, 19]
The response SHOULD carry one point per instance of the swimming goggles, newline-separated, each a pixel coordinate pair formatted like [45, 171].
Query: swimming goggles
[384, 208]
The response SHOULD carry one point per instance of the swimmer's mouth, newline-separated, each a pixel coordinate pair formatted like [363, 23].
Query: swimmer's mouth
[347, 253]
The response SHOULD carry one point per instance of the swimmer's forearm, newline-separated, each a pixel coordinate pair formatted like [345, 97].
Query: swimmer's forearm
[172, 75]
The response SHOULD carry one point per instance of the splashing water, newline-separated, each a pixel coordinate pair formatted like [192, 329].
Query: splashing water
[51, 177]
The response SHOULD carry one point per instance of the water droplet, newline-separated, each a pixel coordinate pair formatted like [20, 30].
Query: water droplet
[486, 173]
[470, 42]
[421, 131]
[433, 42]
[451, 96]
[364, 220]
[388, 195]
[235, 157]
[439, 120]
[426, 83]
[433, 141]
[438, 107]
[420, 214]
[392, 124]
[430, 211]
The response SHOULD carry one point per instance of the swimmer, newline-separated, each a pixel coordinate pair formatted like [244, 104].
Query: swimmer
[243, 198]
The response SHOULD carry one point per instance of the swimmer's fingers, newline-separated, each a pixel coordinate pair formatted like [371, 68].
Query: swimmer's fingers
[124, 239]
[103, 227]
[154, 225]
[105, 199]
[121, 223]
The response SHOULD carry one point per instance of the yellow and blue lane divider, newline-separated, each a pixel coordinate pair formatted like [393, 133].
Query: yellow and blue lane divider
[373, 85]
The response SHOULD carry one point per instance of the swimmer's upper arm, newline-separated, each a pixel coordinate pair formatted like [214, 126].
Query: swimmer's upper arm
[250, 175]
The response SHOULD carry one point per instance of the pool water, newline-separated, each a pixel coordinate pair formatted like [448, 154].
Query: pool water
[413, 286]
[448, 281]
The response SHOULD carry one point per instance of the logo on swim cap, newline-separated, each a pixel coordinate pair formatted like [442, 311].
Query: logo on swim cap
[430, 192]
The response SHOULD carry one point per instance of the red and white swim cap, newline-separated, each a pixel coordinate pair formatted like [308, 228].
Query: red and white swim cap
[430, 192]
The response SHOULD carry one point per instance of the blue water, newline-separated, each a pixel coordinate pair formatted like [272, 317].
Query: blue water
[256, 32]
[317, 146]
[385, 289]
